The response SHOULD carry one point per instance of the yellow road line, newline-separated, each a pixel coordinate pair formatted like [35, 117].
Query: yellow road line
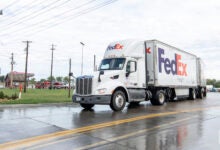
[113, 139]
[42, 138]
[110, 140]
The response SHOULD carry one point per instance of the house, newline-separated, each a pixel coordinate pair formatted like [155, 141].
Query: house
[18, 77]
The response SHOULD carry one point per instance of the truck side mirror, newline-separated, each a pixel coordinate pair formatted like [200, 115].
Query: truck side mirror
[100, 73]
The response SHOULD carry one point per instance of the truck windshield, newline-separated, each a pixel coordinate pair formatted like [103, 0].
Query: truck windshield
[112, 64]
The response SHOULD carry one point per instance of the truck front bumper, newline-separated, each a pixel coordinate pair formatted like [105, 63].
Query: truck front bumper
[92, 99]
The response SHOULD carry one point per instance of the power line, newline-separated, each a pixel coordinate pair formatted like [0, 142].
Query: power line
[11, 4]
[65, 19]
[36, 13]
[21, 9]
[45, 20]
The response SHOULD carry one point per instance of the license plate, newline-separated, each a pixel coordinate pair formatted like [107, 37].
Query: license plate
[78, 99]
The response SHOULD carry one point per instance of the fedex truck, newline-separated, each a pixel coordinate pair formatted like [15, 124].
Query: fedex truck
[136, 71]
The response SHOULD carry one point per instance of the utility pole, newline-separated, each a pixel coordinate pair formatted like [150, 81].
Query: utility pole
[26, 63]
[82, 58]
[69, 76]
[12, 68]
[51, 70]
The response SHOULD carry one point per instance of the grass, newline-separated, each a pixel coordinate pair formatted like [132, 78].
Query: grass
[36, 96]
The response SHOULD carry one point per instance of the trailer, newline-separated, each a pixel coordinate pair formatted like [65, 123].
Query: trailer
[135, 71]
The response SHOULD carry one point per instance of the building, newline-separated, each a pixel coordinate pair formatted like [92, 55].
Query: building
[18, 77]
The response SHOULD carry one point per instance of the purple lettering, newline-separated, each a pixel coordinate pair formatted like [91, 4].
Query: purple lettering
[171, 66]
[161, 60]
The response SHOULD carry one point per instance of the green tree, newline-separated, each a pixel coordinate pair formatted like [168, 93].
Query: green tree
[42, 80]
[59, 79]
[213, 82]
[49, 78]
[217, 84]
[32, 80]
[66, 79]
[2, 78]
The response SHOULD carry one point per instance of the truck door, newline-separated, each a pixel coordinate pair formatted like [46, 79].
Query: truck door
[131, 74]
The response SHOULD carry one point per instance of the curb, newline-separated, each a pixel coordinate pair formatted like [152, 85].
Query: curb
[36, 105]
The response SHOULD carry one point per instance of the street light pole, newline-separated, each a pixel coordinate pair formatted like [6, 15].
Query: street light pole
[82, 58]
[51, 69]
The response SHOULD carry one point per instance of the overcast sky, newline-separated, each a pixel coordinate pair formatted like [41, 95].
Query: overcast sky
[191, 25]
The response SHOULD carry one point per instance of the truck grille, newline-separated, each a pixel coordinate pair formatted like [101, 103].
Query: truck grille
[84, 85]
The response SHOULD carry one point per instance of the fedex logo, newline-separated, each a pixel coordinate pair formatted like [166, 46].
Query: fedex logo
[116, 46]
[175, 66]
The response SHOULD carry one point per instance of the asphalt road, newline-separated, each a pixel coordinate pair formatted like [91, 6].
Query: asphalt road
[193, 125]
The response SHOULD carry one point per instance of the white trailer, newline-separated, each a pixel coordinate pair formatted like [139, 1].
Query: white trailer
[135, 71]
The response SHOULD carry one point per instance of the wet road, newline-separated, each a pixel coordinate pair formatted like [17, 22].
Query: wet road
[177, 125]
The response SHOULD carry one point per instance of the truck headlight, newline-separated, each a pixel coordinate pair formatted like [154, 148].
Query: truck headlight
[101, 91]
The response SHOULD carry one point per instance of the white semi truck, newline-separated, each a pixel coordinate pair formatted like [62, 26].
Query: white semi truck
[136, 71]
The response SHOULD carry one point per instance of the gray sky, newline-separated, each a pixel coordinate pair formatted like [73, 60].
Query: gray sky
[191, 25]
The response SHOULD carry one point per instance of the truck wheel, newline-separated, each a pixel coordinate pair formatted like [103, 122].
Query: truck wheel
[118, 101]
[205, 93]
[201, 93]
[192, 94]
[87, 106]
[159, 98]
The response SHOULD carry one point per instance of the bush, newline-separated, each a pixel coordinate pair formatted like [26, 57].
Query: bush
[2, 96]
[14, 96]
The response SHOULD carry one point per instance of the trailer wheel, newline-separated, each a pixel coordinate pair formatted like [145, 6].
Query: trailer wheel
[192, 94]
[159, 98]
[205, 93]
[87, 106]
[201, 93]
[118, 101]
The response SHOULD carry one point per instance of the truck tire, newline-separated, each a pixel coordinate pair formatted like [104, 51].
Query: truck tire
[159, 98]
[192, 94]
[205, 93]
[201, 93]
[118, 101]
[87, 106]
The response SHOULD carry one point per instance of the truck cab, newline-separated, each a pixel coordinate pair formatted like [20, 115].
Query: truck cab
[112, 84]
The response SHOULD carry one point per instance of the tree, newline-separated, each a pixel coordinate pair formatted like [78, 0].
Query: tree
[49, 78]
[211, 82]
[33, 80]
[59, 79]
[2, 78]
[217, 84]
[66, 79]
[42, 80]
